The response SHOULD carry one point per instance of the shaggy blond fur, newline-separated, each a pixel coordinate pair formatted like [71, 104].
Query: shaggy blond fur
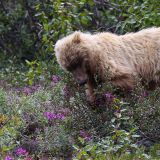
[125, 58]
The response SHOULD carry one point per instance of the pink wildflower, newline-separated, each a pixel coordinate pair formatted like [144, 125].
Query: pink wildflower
[109, 97]
[27, 91]
[8, 158]
[56, 79]
[60, 116]
[52, 116]
[35, 88]
[21, 151]
[85, 135]
[144, 94]
[28, 158]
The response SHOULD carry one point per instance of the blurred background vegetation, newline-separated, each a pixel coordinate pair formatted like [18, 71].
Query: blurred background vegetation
[30, 28]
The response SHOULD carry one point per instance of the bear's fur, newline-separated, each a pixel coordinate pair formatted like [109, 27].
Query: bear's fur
[126, 58]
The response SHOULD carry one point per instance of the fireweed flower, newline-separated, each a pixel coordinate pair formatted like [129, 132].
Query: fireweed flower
[35, 88]
[27, 90]
[60, 116]
[21, 151]
[52, 116]
[85, 135]
[8, 158]
[144, 94]
[109, 97]
[55, 79]
[28, 158]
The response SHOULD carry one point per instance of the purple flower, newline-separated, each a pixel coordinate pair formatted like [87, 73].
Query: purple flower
[144, 94]
[28, 158]
[8, 158]
[109, 97]
[52, 116]
[27, 90]
[35, 87]
[85, 135]
[55, 79]
[18, 90]
[21, 151]
[60, 116]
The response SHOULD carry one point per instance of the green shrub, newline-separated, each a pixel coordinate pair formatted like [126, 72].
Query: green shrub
[146, 113]
[31, 29]
[2, 99]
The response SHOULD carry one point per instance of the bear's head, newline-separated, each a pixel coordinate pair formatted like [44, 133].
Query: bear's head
[73, 54]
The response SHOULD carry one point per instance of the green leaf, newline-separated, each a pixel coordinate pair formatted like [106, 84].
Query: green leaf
[76, 147]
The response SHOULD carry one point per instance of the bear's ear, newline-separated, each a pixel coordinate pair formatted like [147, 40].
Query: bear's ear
[76, 37]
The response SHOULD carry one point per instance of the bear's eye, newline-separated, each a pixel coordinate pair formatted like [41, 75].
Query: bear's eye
[74, 64]
[72, 67]
[69, 68]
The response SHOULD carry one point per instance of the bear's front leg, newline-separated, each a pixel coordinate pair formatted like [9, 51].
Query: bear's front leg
[90, 92]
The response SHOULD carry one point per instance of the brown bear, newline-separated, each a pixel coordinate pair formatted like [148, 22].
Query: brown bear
[125, 58]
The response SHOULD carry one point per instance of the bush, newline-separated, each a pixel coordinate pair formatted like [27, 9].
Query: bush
[30, 29]
[147, 115]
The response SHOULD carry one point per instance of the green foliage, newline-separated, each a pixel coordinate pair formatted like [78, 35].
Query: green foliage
[9, 125]
[119, 142]
[59, 18]
[8, 133]
[15, 35]
[93, 151]
[147, 114]
[137, 15]
[155, 151]
[34, 72]
[2, 98]
[111, 131]
[31, 28]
